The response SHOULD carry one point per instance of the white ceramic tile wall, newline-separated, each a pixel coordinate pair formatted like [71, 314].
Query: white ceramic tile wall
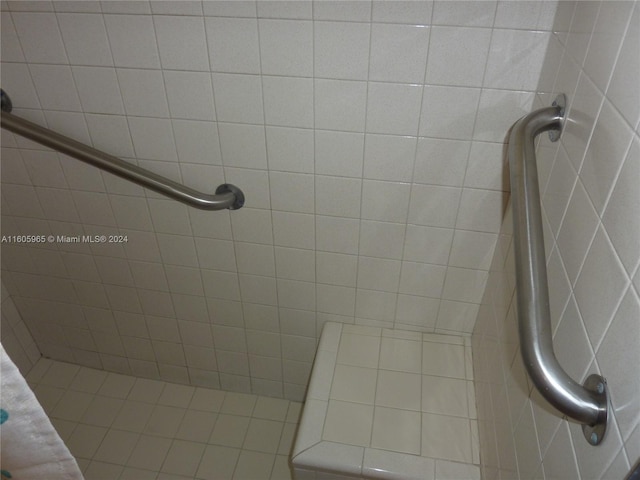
[367, 137]
[591, 208]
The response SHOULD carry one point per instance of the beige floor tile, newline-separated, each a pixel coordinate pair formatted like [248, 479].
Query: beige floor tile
[263, 436]
[48, 397]
[129, 473]
[60, 375]
[72, 406]
[197, 426]
[238, 404]
[146, 390]
[176, 395]
[117, 385]
[102, 411]
[218, 463]
[149, 453]
[207, 400]
[444, 360]
[281, 469]
[117, 447]
[271, 408]
[165, 421]
[183, 458]
[88, 380]
[101, 471]
[133, 416]
[85, 440]
[253, 466]
[287, 438]
[229, 430]
[294, 412]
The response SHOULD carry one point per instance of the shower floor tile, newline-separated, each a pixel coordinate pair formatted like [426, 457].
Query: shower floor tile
[125, 428]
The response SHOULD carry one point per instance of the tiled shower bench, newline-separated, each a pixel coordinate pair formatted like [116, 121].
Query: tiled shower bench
[388, 404]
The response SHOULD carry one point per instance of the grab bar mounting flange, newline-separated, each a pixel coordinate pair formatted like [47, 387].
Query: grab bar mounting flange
[560, 102]
[597, 385]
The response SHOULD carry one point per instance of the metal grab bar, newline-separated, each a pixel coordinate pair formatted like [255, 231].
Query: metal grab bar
[587, 403]
[227, 196]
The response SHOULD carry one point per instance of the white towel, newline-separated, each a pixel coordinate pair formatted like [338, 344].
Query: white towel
[30, 447]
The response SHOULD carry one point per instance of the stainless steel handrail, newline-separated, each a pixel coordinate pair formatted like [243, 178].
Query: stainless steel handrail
[227, 196]
[587, 403]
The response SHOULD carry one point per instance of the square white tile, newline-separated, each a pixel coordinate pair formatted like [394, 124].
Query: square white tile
[348, 423]
[288, 101]
[133, 41]
[340, 105]
[354, 384]
[341, 49]
[401, 355]
[234, 44]
[448, 438]
[238, 98]
[189, 95]
[443, 360]
[290, 149]
[398, 390]
[359, 351]
[396, 430]
[393, 108]
[286, 47]
[398, 53]
[181, 42]
[444, 396]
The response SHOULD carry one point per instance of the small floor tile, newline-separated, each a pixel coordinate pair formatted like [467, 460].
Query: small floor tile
[252, 465]
[218, 463]
[229, 430]
[183, 458]
[101, 471]
[165, 421]
[238, 404]
[196, 426]
[133, 416]
[85, 440]
[143, 440]
[149, 453]
[263, 436]
[271, 408]
[116, 447]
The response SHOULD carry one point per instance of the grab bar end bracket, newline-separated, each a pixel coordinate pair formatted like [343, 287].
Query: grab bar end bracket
[226, 188]
[6, 106]
[596, 384]
[560, 102]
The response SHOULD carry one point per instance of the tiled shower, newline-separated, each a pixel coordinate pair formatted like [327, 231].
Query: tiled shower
[368, 138]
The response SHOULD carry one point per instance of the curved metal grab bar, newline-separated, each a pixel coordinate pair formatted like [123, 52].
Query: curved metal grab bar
[587, 403]
[226, 195]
